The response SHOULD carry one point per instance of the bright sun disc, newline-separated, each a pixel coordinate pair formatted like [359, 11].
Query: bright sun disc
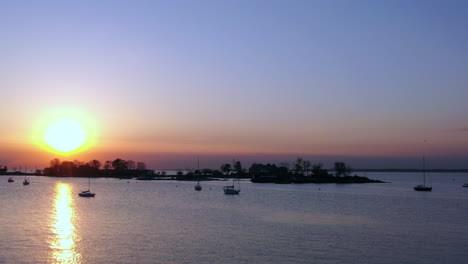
[65, 135]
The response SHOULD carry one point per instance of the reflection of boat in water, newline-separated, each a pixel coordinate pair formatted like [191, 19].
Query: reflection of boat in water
[88, 192]
[11, 180]
[465, 185]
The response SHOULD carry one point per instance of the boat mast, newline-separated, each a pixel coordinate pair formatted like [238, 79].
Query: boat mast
[424, 170]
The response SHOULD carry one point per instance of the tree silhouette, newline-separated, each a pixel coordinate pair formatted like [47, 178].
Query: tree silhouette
[238, 167]
[341, 169]
[95, 164]
[131, 165]
[298, 165]
[317, 170]
[108, 165]
[141, 166]
[55, 166]
[119, 164]
[225, 168]
[306, 165]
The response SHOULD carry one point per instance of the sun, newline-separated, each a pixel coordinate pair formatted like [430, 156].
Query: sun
[65, 136]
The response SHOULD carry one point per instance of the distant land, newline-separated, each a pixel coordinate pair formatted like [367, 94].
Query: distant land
[410, 170]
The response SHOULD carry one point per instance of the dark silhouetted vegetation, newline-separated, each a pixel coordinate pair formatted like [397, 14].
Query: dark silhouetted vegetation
[303, 171]
[118, 168]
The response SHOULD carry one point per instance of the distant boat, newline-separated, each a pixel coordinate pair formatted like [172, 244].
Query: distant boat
[11, 180]
[423, 187]
[25, 182]
[198, 186]
[465, 185]
[88, 192]
[231, 189]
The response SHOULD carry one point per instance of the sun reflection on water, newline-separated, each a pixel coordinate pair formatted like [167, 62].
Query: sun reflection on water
[62, 242]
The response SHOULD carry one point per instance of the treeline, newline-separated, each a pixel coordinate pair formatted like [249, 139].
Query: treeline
[225, 171]
[110, 168]
[299, 171]
[303, 171]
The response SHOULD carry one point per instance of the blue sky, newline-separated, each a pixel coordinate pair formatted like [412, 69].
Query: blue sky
[334, 78]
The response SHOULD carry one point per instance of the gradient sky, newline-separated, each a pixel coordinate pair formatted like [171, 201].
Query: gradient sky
[165, 81]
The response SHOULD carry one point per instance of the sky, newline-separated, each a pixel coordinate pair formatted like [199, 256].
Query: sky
[373, 83]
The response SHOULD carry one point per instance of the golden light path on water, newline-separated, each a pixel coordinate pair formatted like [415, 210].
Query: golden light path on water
[62, 243]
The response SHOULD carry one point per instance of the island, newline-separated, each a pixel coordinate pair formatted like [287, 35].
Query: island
[301, 171]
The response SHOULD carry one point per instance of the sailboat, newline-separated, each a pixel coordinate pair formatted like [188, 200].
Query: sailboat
[25, 182]
[88, 192]
[423, 187]
[198, 186]
[230, 189]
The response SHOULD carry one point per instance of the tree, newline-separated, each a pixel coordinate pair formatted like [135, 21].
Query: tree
[119, 164]
[141, 166]
[225, 168]
[341, 169]
[131, 165]
[298, 165]
[77, 163]
[317, 170]
[238, 167]
[207, 171]
[284, 164]
[95, 164]
[108, 165]
[55, 166]
[306, 165]
[55, 163]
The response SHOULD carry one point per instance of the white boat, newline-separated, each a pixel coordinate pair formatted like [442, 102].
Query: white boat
[88, 192]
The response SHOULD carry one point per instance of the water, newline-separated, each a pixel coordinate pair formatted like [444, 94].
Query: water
[169, 222]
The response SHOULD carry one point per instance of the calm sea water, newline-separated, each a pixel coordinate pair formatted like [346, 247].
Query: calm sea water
[169, 222]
